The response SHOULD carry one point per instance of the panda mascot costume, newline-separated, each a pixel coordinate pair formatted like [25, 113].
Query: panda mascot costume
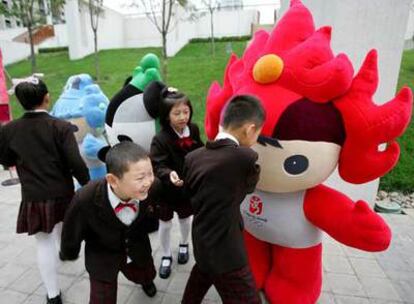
[132, 112]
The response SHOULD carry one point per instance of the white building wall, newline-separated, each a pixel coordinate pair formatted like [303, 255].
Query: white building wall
[11, 33]
[227, 23]
[14, 51]
[80, 39]
[182, 31]
[12, 20]
[59, 40]
[139, 32]
[409, 34]
[136, 31]
[110, 30]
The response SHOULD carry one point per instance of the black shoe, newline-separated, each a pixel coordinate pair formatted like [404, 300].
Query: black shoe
[183, 255]
[165, 267]
[150, 289]
[55, 300]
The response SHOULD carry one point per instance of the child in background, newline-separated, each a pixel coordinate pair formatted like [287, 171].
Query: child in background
[46, 156]
[178, 136]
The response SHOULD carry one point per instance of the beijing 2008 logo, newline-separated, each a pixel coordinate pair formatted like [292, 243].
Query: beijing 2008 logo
[256, 205]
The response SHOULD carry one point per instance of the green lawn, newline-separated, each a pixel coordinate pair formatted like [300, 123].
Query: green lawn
[402, 176]
[192, 70]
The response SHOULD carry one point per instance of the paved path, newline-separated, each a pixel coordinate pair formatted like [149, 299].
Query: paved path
[350, 275]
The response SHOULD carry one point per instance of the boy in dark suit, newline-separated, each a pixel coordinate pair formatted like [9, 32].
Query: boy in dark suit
[108, 215]
[218, 177]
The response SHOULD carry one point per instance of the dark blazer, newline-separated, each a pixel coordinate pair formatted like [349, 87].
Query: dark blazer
[218, 177]
[167, 156]
[46, 155]
[108, 241]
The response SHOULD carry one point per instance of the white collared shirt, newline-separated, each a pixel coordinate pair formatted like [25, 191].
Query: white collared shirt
[126, 215]
[186, 132]
[224, 135]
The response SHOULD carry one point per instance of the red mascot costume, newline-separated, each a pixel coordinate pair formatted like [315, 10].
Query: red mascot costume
[318, 116]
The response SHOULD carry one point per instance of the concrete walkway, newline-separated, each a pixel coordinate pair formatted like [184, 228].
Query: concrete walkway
[350, 275]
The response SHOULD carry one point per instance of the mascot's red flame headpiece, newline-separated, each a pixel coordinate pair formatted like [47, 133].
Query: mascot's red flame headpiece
[296, 62]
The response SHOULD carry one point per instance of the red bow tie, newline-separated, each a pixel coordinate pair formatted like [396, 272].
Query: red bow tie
[185, 142]
[123, 205]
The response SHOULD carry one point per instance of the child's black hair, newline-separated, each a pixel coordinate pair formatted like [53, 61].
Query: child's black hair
[31, 94]
[120, 156]
[243, 109]
[169, 98]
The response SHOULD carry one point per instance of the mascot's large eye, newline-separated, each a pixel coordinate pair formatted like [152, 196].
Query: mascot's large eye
[296, 164]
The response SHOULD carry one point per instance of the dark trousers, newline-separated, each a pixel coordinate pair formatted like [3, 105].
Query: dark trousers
[235, 287]
[105, 292]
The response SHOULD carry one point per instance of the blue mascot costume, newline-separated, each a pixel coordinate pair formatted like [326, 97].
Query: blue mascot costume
[84, 104]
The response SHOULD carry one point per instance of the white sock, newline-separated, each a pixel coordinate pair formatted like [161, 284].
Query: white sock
[48, 260]
[57, 232]
[164, 233]
[185, 226]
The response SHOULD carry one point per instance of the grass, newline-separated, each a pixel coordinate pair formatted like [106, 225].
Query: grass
[192, 70]
[402, 176]
[115, 65]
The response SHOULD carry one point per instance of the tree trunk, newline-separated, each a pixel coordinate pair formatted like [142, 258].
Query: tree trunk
[164, 57]
[213, 49]
[95, 40]
[32, 50]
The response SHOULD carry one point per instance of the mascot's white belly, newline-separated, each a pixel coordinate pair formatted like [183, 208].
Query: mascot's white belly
[278, 218]
[132, 119]
[140, 132]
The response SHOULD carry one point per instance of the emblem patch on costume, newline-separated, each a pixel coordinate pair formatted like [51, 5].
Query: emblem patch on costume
[256, 205]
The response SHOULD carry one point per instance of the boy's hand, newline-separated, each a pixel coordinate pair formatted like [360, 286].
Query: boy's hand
[175, 179]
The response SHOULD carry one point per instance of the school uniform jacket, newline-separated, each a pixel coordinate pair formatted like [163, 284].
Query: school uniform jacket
[218, 177]
[46, 155]
[108, 241]
[168, 156]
